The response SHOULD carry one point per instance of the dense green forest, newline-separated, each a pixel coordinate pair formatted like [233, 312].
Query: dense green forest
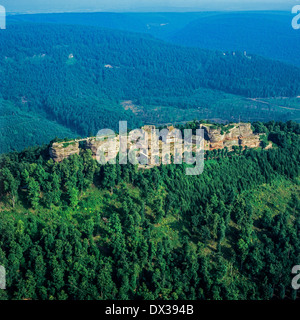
[19, 128]
[159, 25]
[79, 230]
[74, 78]
[266, 33]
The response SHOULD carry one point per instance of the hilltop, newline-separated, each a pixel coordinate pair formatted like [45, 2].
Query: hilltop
[227, 137]
[79, 230]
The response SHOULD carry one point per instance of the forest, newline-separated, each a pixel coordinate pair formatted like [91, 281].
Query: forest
[72, 80]
[265, 33]
[79, 230]
[268, 34]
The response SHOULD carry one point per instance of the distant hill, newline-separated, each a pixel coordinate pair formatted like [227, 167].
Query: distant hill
[157, 24]
[78, 77]
[266, 33]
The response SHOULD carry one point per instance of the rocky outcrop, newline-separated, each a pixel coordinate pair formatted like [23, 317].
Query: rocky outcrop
[239, 134]
[110, 147]
[61, 150]
[269, 146]
[239, 130]
[250, 142]
[214, 134]
[93, 145]
[230, 143]
[151, 131]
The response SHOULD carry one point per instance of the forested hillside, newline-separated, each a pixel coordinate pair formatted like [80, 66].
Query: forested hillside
[266, 33]
[19, 128]
[78, 76]
[79, 230]
[159, 24]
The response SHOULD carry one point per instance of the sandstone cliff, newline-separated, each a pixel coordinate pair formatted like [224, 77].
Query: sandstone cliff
[239, 134]
[61, 150]
[109, 147]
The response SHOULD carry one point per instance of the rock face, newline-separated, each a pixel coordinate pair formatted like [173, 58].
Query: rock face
[110, 147]
[61, 150]
[214, 135]
[239, 130]
[151, 132]
[250, 142]
[93, 145]
[239, 134]
[230, 143]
